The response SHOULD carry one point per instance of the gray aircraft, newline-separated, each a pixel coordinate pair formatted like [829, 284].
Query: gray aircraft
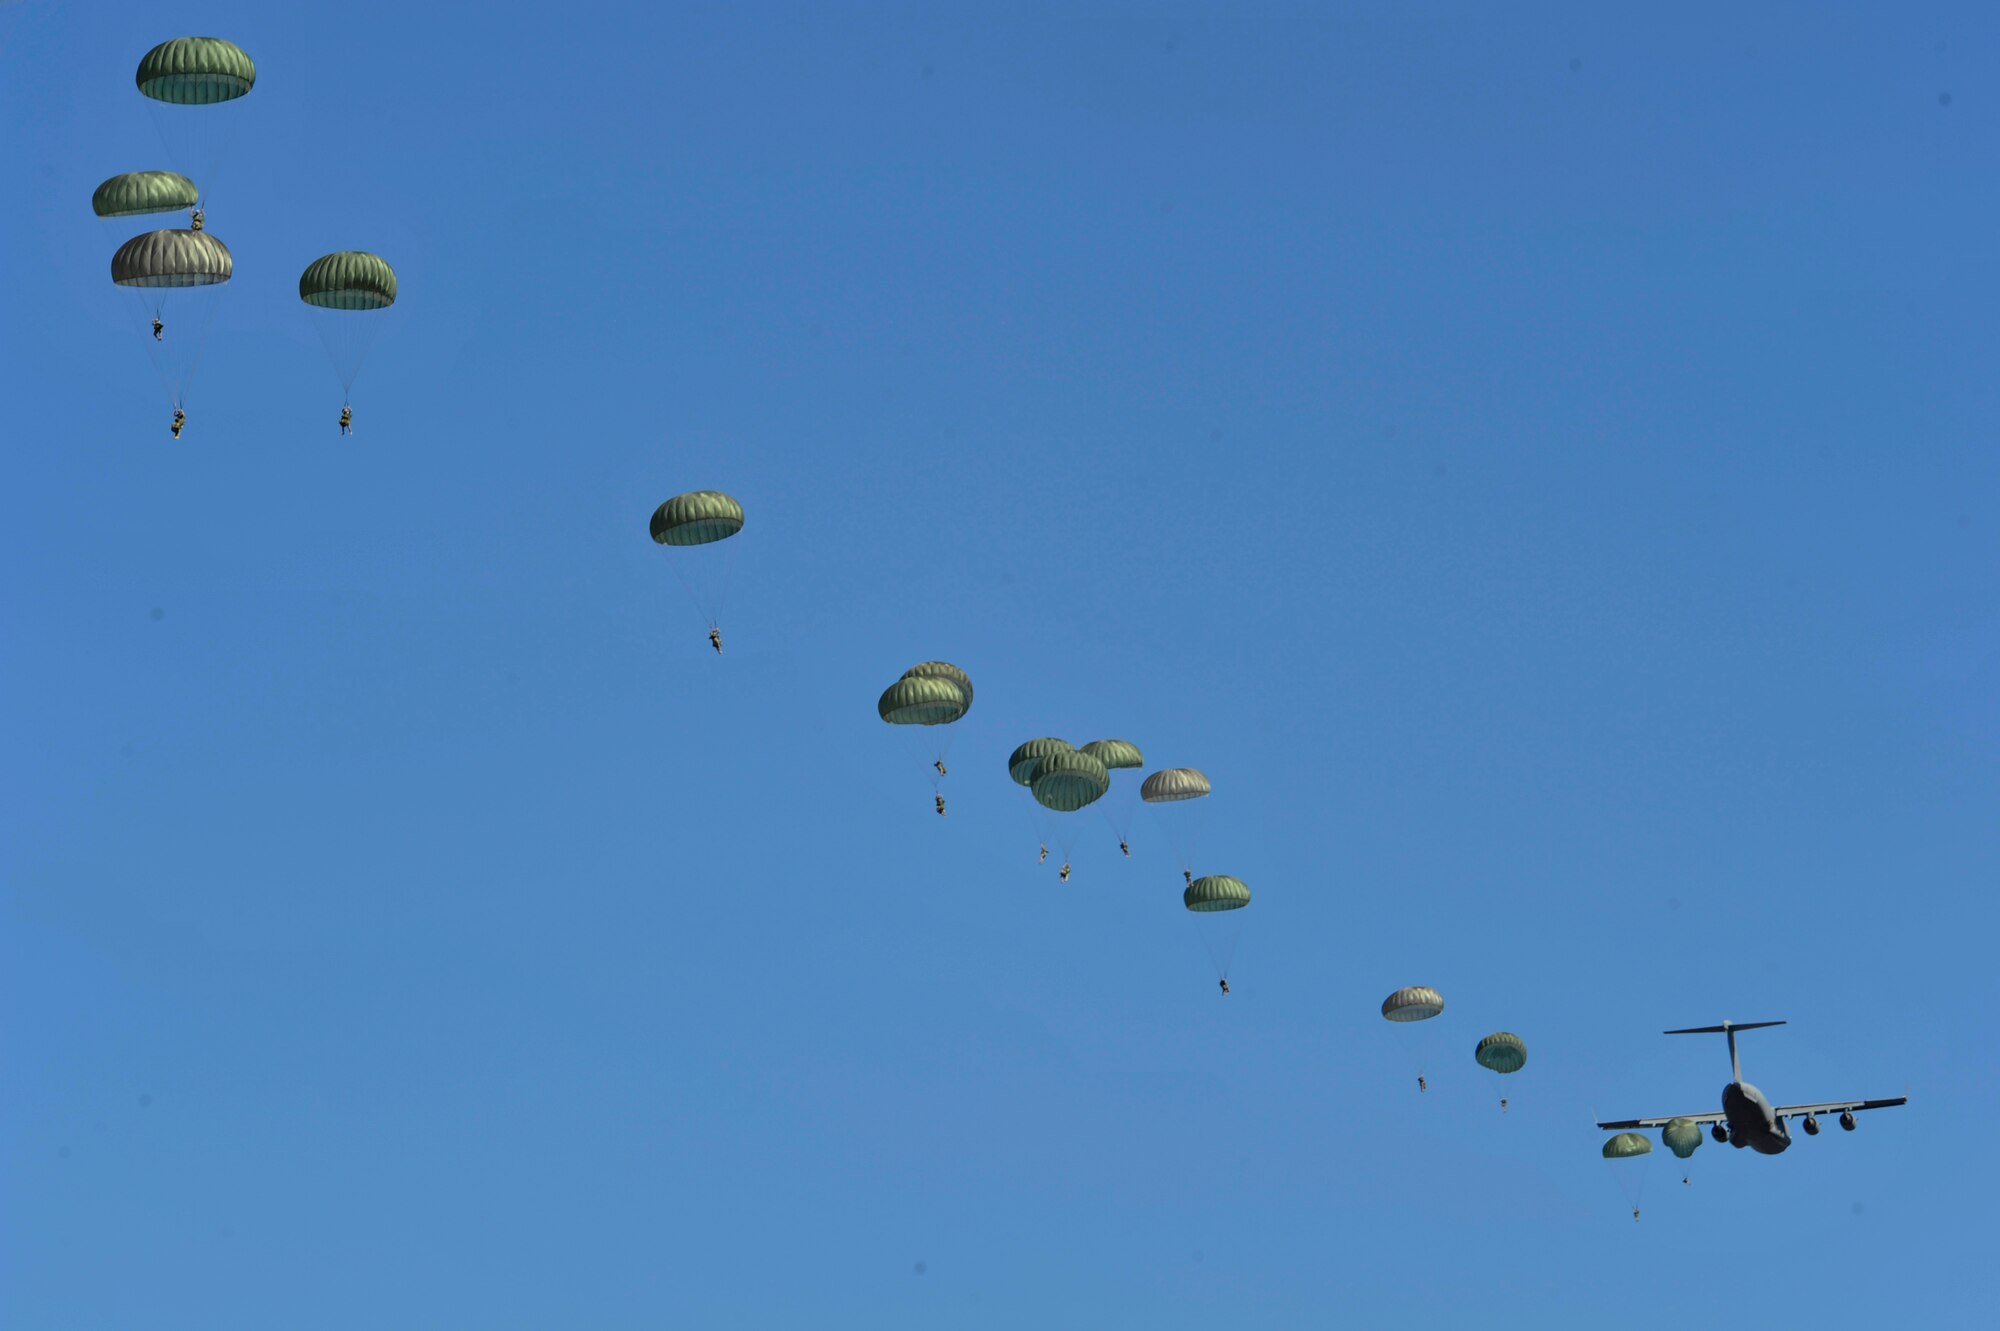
[1747, 1118]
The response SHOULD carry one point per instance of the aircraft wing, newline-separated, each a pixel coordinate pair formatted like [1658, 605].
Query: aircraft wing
[1840, 1106]
[1786, 1111]
[1626, 1125]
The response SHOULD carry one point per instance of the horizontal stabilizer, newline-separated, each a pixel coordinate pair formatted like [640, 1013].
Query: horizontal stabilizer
[1725, 1028]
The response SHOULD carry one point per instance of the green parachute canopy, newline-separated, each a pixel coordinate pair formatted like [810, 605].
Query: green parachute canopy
[196, 71]
[1502, 1052]
[943, 670]
[923, 700]
[1414, 1004]
[139, 192]
[1682, 1136]
[697, 518]
[1626, 1145]
[1116, 754]
[172, 259]
[1216, 892]
[1021, 764]
[1067, 781]
[349, 280]
[1172, 785]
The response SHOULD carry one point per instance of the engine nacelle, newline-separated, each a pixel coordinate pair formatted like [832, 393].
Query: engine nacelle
[1847, 1120]
[1719, 1132]
[1811, 1126]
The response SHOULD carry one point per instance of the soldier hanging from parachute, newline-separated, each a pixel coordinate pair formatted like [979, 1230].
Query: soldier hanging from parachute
[700, 518]
[931, 693]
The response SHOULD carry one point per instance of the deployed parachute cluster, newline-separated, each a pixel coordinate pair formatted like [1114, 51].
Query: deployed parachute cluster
[1502, 1052]
[1062, 779]
[932, 696]
[931, 693]
[1067, 778]
[180, 271]
[1505, 1053]
[190, 84]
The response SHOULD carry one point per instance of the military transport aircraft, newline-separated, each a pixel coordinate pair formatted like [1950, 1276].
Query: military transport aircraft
[1747, 1118]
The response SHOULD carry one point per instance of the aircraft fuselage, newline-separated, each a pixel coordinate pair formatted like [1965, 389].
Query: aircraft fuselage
[1752, 1122]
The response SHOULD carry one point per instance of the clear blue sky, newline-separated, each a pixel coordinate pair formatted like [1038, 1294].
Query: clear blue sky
[1538, 459]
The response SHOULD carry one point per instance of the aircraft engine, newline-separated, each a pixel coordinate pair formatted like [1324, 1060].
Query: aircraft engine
[1718, 1132]
[1811, 1126]
[1847, 1120]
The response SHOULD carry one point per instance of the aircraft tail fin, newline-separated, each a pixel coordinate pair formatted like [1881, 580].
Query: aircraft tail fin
[1728, 1028]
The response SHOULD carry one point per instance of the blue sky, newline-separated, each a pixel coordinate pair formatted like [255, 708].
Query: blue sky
[1537, 460]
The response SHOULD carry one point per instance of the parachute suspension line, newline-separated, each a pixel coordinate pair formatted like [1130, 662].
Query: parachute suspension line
[938, 750]
[1065, 825]
[150, 304]
[212, 298]
[707, 604]
[1632, 1181]
[717, 581]
[1067, 844]
[1182, 833]
[1233, 937]
[1210, 942]
[1419, 1062]
[1050, 834]
[174, 370]
[1120, 822]
[1190, 840]
[347, 342]
[1060, 840]
[1222, 940]
[924, 748]
[1037, 825]
[699, 602]
[181, 129]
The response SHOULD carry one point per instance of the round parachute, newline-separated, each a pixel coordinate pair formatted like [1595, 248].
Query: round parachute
[196, 71]
[1068, 781]
[697, 518]
[1631, 1179]
[1682, 1136]
[1119, 755]
[1502, 1052]
[176, 278]
[1216, 892]
[1023, 762]
[1415, 1004]
[943, 670]
[1174, 784]
[921, 701]
[1116, 754]
[172, 259]
[350, 280]
[344, 283]
[138, 192]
